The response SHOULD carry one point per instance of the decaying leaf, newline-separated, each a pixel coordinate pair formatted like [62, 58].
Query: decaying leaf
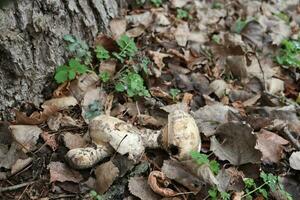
[60, 172]
[117, 27]
[61, 103]
[26, 136]
[219, 87]
[176, 171]
[145, 19]
[8, 156]
[104, 179]
[20, 164]
[181, 33]
[230, 179]
[139, 187]
[155, 179]
[73, 141]
[270, 145]
[157, 58]
[209, 117]
[235, 142]
[50, 140]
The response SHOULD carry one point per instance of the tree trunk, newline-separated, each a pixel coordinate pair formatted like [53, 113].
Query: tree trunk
[31, 42]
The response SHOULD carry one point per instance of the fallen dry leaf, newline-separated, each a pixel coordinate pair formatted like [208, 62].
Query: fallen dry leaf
[50, 140]
[117, 27]
[73, 141]
[181, 33]
[26, 136]
[157, 58]
[20, 164]
[139, 187]
[270, 145]
[234, 141]
[155, 179]
[230, 179]
[61, 172]
[104, 179]
[61, 103]
[8, 156]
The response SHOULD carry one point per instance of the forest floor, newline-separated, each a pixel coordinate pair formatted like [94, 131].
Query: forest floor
[182, 99]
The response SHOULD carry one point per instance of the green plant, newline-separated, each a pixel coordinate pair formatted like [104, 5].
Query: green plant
[283, 17]
[216, 38]
[216, 5]
[102, 53]
[174, 92]
[133, 84]
[183, 14]
[95, 195]
[268, 180]
[289, 54]
[203, 159]
[239, 25]
[68, 72]
[127, 48]
[214, 193]
[104, 77]
[157, 3]
[79, 48]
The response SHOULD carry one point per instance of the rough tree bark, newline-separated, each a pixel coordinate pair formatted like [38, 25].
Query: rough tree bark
[31, 43]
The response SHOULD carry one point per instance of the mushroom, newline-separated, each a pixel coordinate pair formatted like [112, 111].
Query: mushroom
[109, 134]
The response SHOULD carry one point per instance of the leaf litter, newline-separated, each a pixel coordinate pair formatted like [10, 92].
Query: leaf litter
[207, 79]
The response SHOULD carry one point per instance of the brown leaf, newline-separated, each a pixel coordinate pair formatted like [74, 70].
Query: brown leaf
[73, 141]
[26, 136]
[50, 140]
[136, 31]
[295, 160]
[20, 164]
[139, 187]
[234, 141]
[175, 171]
[107, 42]
[117, 27]
[8, 156]
[61, 172]
[154, 180]
[270, 145]
[36, 117]
[157, 58]
[104, 179]
[108, 66]
[61, 103]
[230, 179]
[181, 33]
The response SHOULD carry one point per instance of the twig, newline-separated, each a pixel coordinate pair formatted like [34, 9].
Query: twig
[15, 187]
[291, 137]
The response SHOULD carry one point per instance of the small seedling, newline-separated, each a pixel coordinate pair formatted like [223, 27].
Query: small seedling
[69, 72]
[156, 3]
[183, 14]
[133, 84]
[127, 48]
[289, 54]
[174, 92]
[95, 195]
[214, 194]
[79, 48]
[239, 25]
[102, 53]
[216, 38]
[203, 159]
[104, 77]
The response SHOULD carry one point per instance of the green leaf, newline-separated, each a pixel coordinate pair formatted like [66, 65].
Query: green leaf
[225, 196]
[102, 53]
[127, 48]
[104, 76]
[249, 183]
[72, 74]
[120, 87]
[174, 92]
[61, 76]
[157, 3]
[213, 194]
[216, 5]
[216, 38]
[182, 14]
[69, 38]
[199, 157]
[239, 25]
[263, 192]
[214, 166]
[270, 179]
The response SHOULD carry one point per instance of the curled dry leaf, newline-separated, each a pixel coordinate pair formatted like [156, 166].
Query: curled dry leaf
[79, 86]
[270, 145]
[139, 187]
[106, 174]
[26, 136]
[117, 27]
[234, 141]
[157, 58]
[61, 103]
[36, 117]
[181, 136]
[20, 164]
[176, 171]
[83, 158]
[73, 141]
[60, 172]
[295, 160]
[209, 117]
[50, 140]
[156, 181]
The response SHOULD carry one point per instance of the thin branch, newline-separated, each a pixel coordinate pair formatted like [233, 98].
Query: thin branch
[291, 138]
[15, 187]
